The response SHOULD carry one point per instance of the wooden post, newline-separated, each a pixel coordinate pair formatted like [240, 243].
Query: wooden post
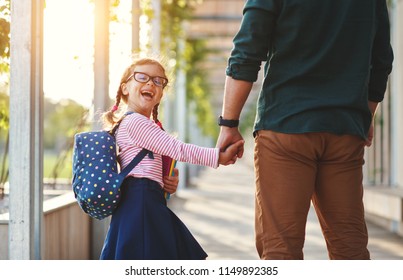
[101, 59]
[26, 129]
[101, 100]
[136, 12]
[156, 26]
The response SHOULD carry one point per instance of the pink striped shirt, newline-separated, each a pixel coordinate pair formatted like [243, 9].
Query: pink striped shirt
[137, 131]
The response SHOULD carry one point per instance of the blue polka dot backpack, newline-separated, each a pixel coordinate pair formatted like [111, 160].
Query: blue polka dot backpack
[96, 179]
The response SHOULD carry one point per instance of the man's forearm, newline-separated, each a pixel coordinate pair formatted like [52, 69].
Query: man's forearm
[236, 93]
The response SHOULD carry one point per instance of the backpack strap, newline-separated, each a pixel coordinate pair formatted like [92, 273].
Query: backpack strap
[113, 130]
[135, 161]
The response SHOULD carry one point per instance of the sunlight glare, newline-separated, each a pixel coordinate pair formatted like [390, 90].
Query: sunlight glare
[68, 50]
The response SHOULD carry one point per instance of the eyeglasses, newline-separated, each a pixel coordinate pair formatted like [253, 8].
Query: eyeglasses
[144, 78]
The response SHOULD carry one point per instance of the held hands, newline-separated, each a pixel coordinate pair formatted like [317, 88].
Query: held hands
[171, 182]
[229, 155]
[230, 136]
[231, 145]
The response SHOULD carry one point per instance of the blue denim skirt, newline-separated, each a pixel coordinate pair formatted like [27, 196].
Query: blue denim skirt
[144, 228]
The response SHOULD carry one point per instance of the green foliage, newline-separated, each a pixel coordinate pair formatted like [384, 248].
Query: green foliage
[114, 5]
[4, 36]
[190, 58]
[173, 14]
[50, 160]
[60, 123]
[66, 118]
[198, 87]
[4, 138]
[4, 113]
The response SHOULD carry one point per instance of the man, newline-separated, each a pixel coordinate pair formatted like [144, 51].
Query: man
[327, 65]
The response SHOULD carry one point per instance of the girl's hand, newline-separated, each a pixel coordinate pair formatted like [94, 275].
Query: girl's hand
[171, 182]
[229, 155]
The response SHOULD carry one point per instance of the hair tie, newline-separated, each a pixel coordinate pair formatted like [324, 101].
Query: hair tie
[114, 108]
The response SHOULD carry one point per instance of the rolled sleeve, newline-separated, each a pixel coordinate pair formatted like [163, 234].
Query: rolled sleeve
[252, 43]
[242, 71]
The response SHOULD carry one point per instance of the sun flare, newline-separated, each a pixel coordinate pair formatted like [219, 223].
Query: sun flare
[69, 49]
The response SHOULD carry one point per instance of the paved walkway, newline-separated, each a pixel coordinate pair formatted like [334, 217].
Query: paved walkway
[219, 210]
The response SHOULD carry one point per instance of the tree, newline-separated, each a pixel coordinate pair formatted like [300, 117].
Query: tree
[4, 123]
[60, 123]
[4, 67]
[4, 36]
[173, 15]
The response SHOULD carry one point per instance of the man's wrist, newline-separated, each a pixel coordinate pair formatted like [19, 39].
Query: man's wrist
[227, 123]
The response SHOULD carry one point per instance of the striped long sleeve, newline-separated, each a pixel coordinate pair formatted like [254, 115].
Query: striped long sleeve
[137, 132]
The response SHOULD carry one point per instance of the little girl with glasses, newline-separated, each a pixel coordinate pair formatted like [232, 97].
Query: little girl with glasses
[143, 227]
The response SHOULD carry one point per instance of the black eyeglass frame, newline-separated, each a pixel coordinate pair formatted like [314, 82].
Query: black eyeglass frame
[165, 80]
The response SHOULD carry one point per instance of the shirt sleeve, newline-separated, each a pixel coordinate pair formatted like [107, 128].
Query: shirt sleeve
[144, 133]
[253, 41]
[382, 56]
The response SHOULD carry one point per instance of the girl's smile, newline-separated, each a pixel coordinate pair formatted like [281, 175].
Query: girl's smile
[144, 88]
[147, 94]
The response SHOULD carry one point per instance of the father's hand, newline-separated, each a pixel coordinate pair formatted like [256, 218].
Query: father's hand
[370, 137]
[228, 136]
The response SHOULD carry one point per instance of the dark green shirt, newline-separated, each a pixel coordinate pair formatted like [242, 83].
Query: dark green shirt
[324, 60]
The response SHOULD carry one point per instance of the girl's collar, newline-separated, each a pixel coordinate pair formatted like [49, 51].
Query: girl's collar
[132, 112]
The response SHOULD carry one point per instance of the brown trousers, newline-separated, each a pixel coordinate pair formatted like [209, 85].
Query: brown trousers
[294, 169]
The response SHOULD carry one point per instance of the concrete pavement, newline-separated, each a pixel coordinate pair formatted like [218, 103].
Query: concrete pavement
[219, 210]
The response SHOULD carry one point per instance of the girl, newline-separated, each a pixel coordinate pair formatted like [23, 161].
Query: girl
[143, 227]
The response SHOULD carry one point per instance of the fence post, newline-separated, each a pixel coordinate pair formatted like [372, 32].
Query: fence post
[26, 129]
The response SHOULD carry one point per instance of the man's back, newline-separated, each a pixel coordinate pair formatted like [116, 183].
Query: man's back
[319, 54]
[324, 37]
[327, 66]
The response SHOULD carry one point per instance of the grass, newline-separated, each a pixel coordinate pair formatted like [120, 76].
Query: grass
[50, 160]
[49, 163]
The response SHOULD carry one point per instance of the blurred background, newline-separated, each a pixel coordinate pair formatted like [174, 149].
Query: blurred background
[194, 38]
[70, 74]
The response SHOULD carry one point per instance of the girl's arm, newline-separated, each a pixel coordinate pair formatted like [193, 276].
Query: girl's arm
[144, 133]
